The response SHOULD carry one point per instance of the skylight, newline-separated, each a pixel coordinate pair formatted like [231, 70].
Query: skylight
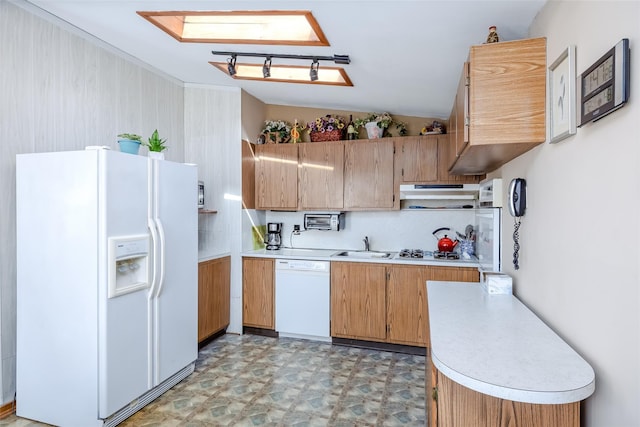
[240, 27]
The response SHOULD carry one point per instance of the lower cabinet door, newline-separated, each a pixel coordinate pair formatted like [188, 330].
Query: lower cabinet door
[407, 314]
[213, 296]
[258, 293]
[358, 301]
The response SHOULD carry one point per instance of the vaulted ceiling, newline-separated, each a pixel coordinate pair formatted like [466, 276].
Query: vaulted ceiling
[406, 55]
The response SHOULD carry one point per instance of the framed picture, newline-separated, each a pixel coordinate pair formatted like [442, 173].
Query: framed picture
[562, 96]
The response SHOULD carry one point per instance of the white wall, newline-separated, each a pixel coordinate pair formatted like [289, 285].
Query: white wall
[63, 92]
[579, 258]
[212, 133]
[212, 139]
[387, 231]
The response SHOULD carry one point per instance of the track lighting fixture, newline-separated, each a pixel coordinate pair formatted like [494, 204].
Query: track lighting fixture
[287, 73]
[313, 72]
[266, 68]
[231, 65]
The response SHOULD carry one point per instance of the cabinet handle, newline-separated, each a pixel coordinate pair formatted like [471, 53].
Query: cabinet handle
[434, 394]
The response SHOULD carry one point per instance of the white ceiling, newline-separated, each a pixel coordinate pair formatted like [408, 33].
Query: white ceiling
[406, 55]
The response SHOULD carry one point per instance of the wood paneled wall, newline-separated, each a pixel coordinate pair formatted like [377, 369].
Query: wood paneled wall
[64, 92]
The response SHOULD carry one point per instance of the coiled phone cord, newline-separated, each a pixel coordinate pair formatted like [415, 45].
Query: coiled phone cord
[516, 245]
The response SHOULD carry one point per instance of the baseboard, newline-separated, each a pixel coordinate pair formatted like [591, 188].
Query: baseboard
[211, 338]
[7, 409]
[259, 331]
[397, 348]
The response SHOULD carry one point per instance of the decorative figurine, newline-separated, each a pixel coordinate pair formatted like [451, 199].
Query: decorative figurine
[493, 35]
[295, 133]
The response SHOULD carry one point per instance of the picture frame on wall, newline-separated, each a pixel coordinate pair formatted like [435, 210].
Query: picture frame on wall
[562, 96]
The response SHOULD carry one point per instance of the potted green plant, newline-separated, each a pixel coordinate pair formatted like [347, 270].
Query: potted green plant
[156, 145]
[129, 142]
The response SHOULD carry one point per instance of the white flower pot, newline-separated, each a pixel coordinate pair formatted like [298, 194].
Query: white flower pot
[373, 131]
[159, 155]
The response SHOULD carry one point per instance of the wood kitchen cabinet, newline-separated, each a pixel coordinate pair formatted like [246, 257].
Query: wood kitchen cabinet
[214, 278]
[407, 313]
[425, 160]
[358, 300]
[248, 175]
[321, 175]
[386, 302]
[258, 293]
[276, 175]
[369, 175]
[457, 405]
[417, 159]
[500, 107]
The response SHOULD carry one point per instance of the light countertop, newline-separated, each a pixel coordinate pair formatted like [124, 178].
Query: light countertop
[208, 257]
[326, 255]
[495, 345]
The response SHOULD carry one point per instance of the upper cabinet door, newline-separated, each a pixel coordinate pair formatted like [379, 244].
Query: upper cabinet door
[507, 84]
[277, 176]
[321, 175]
[368, 174]
[504, 113]
[418, 158]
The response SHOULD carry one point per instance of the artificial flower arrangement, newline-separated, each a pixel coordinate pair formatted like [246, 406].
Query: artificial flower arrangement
[276, 131]
[435, 128]
[383, 121]
[327, 128]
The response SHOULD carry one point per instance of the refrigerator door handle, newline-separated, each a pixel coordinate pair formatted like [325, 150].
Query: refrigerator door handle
[162, 252]
[154, 260]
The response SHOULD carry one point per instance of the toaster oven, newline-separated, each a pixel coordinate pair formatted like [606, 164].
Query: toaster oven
[332, 222]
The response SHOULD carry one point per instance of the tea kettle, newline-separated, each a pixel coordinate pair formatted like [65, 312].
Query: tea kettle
[445, 244]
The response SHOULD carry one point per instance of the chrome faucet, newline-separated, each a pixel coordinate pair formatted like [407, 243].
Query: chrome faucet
[366, 243]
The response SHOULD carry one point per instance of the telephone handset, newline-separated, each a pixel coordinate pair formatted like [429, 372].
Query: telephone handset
[517, 197]
[517, 206]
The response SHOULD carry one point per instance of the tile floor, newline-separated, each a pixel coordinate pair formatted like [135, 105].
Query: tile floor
[252, 380]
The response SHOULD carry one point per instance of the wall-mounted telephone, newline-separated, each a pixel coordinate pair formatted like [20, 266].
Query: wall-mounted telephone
[517, 206]
[517, 197]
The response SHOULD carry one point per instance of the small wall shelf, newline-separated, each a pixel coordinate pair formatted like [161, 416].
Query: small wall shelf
[207, 211]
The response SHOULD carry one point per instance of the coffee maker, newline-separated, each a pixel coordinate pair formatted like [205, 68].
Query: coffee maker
[273, 239]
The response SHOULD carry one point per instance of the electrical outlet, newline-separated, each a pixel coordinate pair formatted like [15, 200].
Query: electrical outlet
[296, 227]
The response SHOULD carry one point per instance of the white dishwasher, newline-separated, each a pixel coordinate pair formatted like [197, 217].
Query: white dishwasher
[303, 299]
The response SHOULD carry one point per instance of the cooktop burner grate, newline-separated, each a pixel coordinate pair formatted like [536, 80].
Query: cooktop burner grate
[411, 253]
[446, 255]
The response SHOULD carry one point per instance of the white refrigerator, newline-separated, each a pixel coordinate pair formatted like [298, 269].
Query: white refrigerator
[106, 283]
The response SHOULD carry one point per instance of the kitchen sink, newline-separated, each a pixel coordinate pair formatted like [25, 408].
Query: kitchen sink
[363, 254]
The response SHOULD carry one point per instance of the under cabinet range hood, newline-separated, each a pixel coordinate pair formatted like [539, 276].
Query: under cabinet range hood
[462, 192]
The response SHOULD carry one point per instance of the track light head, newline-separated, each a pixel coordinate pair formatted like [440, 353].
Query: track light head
[313, 72]
[266, 68]
[231, 65]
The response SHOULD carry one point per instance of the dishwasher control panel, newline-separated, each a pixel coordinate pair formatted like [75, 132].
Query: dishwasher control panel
[304, 265]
